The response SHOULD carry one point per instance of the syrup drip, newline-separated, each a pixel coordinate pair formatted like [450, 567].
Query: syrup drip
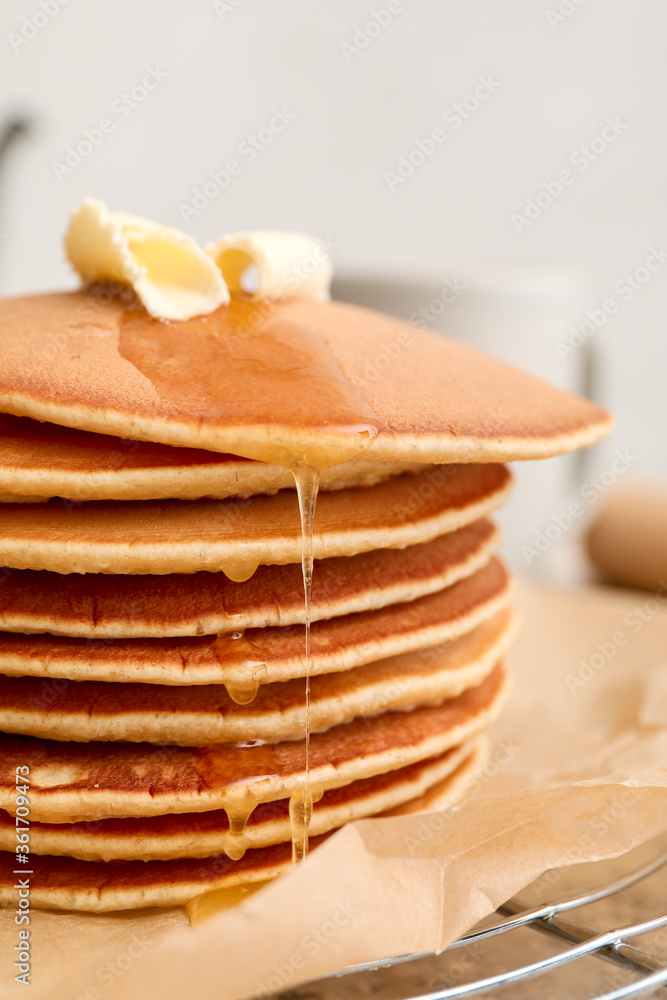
[244, 667]
[272, 388]
[239, 570]
[245, 770]
[307, 481]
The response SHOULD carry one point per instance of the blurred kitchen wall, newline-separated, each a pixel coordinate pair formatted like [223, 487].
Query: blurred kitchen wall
[405, 132]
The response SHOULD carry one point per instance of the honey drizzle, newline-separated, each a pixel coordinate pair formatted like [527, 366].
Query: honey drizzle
[245, 771]
[248, 670]
[247, 362]
[307, 481]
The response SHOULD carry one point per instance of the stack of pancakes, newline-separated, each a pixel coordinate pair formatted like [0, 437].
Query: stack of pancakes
[153, 653]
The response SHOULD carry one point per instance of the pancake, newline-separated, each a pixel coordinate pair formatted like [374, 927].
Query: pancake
[198, 716]
[235, 536]
[41, 460]
[66, 883]
[99, 606]
[202, 835]
[70, 782]
[99, 887]
[258, 375]
[262, 656]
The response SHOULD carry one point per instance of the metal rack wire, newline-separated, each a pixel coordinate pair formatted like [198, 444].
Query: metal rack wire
[569, 940]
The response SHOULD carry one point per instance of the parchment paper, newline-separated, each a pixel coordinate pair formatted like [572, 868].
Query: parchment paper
[577, 772]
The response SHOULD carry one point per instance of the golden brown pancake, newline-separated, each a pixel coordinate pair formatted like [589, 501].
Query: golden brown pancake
[260, 376]
[70, 782]
[262, 656]
[203, 715]
[235, 537]
[42, 460]
[66, 883]
[104, 606]
[202, 835]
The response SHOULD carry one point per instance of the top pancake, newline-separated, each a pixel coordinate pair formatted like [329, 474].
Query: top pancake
[80, 360]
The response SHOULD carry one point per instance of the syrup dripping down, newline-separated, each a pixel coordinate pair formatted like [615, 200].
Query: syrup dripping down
[245, 771]
[307, 481]
[253, 367]
[248, 668]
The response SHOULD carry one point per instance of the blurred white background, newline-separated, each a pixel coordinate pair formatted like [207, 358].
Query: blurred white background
[316, 104]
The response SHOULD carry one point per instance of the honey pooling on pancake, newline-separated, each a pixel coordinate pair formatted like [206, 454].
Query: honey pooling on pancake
[247, 367]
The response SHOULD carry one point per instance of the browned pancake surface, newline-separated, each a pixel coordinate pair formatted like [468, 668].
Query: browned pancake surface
[46, 460]
[205, 834]
[441, 401]
[261, 655]
[194, 716]
[71, 781]
[108, 606]
[65, 883]
[60, 882]
[237, 536]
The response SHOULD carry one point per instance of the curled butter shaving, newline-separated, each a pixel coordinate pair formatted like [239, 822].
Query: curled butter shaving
[170, 273]
[284, 264]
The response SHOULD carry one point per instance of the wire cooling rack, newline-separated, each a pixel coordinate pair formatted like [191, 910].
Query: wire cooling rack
[566, 957]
